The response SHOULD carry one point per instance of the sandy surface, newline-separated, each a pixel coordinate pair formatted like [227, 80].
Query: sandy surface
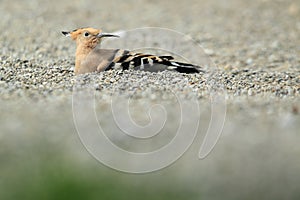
[255, 46]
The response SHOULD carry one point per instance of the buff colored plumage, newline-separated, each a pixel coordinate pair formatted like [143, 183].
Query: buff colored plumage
[89, 58]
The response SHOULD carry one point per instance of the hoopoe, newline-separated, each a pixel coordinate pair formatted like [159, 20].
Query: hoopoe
[89, 58]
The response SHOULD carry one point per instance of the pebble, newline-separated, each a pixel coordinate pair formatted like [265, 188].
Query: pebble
[209, 52]
[249, 61]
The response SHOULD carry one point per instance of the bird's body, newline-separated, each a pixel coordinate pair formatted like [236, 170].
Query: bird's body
[91, 59]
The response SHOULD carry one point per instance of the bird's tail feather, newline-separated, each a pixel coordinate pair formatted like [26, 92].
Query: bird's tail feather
[185, 67]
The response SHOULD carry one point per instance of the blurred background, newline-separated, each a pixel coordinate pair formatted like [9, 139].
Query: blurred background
[257, 156]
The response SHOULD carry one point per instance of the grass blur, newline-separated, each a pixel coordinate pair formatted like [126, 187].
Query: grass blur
[41, 170]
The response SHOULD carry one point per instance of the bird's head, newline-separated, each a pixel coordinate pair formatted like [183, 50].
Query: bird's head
[88, 37]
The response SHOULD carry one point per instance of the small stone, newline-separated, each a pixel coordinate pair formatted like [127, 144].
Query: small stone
[249, 61]
[209, 52]
[275, 44]
[250, 92]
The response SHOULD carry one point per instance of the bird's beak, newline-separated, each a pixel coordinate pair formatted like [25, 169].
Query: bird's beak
[101, 35]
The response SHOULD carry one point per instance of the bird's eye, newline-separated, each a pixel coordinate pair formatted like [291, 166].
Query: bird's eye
[86, 34]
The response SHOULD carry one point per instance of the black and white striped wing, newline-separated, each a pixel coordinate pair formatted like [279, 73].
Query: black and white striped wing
[127, 60]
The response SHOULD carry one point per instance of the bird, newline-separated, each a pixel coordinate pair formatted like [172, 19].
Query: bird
[89, 58]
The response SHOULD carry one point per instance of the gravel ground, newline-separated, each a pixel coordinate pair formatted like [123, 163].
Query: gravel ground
[255, 46]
